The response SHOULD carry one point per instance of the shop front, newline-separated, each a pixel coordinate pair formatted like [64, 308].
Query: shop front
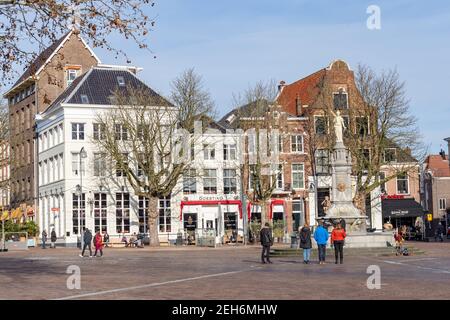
[401, 212]
[219, 218]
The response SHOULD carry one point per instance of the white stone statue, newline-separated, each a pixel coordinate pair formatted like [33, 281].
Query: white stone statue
[339, 125]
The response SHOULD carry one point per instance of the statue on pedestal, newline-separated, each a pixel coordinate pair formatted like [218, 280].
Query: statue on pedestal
[339, 126]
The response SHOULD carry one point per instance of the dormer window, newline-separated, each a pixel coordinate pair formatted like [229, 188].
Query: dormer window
[84, 99]
[121, 81]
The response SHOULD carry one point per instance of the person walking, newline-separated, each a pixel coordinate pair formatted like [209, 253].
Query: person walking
[305, 242]
[98, 243]
[266, 239]
[106, 239]
[87, 239]
[44, 239]
[321, 237]
[337, 240]
[53, 239]
[440, 232]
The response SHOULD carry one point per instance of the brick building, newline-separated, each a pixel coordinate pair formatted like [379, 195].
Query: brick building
[42, 82]
[289, 164]
[435, 191]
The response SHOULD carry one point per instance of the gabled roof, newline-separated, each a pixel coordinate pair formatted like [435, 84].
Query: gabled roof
[306, 89]
[99, 84]
[242, 111]
[45, 56]
[438, 165]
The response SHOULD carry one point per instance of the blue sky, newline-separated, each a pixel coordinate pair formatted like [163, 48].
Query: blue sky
[234, 44]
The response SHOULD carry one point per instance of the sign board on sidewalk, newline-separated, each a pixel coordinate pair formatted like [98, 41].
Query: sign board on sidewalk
[429, 217]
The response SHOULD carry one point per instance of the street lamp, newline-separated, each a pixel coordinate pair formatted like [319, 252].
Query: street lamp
[83, 155]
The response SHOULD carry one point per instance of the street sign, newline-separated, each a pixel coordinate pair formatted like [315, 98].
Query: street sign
[429, 217]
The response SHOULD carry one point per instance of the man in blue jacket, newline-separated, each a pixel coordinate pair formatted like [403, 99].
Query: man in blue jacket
[321, 237]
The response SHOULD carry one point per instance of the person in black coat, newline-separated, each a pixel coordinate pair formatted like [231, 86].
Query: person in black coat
[53, 239]
[305, 242]
[87, 239]
[266, 242]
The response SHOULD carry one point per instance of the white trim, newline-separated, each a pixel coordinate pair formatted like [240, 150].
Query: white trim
[90, 50]
[292, 176]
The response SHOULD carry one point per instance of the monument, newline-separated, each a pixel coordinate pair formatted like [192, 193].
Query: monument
[342, 206]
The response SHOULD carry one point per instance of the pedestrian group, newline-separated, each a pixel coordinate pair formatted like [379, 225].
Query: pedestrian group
[321, 236]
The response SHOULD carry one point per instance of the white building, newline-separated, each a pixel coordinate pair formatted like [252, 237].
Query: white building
[208, 197]
[72, 197]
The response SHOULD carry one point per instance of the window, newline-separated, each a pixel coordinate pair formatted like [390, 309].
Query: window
[71, 76]
[209, 151]
[84, 99]
[297, 214]
[121, 132]
[210, 181]
[78, 212]
[340, 100]
[383, 184]
[192, 151]
[390, 155]
[164, 215]
[229, 181]
[121, 166]
[442, 204]
[76, 164]
[298, 181]
[279, 177]
[402, 184]
[297, 143]
[252, 176]
[77, 131]
[229, 152]
[99, 131]
[364, 159]
[190, 181]
[322, 161]
[121, 81]
[320, 125]
[100, 212]
[99, 165]
[280, 143]
[142, 214]
[122, 212]
[362, 126]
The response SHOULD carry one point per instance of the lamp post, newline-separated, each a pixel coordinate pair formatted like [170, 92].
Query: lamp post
[83, 155]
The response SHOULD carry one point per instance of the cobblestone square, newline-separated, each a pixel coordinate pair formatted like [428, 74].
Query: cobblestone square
[222, 273]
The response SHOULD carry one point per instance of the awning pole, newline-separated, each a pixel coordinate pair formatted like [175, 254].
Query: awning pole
[3, 234]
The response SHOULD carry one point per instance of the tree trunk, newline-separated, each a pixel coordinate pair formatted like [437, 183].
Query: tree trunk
[152, 218]
[264, 215]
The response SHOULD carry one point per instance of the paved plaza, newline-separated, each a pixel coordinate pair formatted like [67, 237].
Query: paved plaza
[221, 273]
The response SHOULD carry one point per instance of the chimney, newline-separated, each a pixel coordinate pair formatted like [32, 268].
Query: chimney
[281, 86]
[442, 154]
[298, 106]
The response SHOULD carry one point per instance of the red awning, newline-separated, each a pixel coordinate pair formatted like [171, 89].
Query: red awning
[273, 202]
[210, 203]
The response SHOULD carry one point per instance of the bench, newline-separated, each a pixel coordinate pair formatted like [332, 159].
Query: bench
[115, 242]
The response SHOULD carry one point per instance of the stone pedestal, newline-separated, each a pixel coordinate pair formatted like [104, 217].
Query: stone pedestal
[342, 199]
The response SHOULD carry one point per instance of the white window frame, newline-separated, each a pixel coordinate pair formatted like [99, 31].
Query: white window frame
[79, 129]
[229, 151]
[209, 151]
[297, 171]
[296, 144]
[407, 179]
[442, 204]
[346, 95]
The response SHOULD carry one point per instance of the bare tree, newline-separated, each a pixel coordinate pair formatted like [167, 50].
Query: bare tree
[257, 116]
[189, 95]
[379, 119]
[43, 21]
[145, 142]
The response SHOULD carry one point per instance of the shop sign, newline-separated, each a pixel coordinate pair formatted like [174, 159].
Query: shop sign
[399, 212]
[429, 217]
[213, 197]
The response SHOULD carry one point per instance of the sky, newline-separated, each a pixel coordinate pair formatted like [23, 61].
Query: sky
[233, 44]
